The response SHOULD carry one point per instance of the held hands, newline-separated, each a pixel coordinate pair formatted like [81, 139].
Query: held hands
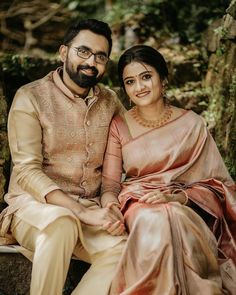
[157, 197]
[110, 217]
[116, 228]
[97, 217]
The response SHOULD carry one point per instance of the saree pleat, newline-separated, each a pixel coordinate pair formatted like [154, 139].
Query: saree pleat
[185, 262]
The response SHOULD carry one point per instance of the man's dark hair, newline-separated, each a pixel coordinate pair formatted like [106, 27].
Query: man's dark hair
[96, 26]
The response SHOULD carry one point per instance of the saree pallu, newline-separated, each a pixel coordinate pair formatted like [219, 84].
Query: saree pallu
[180, 156]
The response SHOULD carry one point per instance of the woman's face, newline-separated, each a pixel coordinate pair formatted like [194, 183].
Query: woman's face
[142, 84]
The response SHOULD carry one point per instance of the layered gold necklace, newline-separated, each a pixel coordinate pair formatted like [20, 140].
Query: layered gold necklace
[152, 123]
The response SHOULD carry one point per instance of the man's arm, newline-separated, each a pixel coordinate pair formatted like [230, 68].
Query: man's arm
[25, 141]
[100, 216]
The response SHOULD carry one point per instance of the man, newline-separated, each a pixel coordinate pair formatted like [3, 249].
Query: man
[58, 129]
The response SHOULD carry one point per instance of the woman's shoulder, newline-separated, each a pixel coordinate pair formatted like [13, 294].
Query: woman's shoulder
[119, 122]
[118, 119]
[190, 116]
[119, 126]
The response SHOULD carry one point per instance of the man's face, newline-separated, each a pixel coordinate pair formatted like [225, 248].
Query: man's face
[86, 72]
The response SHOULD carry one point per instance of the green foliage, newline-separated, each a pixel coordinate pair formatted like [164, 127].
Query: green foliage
[85, 9]
[22, 65]
[230, 158]
[186, 19]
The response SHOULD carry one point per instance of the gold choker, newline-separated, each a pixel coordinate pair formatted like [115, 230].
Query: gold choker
[152, 123]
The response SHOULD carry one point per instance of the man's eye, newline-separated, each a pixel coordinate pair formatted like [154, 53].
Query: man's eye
[101, 57]
[83, 51]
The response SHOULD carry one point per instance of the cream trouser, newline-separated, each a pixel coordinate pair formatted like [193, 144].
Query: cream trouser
[53, 247]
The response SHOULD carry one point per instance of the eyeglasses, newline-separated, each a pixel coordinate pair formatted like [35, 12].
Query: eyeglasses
[85, 53]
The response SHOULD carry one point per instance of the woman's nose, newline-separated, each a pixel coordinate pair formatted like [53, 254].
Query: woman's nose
[139, 86]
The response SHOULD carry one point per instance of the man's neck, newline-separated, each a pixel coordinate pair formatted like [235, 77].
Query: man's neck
[74, 88]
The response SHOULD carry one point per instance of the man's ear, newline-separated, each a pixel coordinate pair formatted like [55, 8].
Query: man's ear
[63, 52]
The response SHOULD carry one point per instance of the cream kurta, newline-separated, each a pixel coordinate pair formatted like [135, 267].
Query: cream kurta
[170, 249]
[57, 141]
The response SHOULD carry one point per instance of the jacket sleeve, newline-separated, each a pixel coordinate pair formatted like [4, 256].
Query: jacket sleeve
[25, 140]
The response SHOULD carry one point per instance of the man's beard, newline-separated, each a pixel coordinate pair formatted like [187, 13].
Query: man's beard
[79, 78]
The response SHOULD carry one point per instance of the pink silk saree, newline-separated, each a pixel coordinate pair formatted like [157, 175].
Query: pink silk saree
[172, 248]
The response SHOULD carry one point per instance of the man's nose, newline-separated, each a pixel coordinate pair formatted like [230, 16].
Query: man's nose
[91, 60]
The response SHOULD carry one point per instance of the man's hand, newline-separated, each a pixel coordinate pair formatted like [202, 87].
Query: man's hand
[117, 228]
[98, 216]
[111, 219]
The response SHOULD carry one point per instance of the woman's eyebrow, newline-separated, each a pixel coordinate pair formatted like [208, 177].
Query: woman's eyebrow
[140, 74]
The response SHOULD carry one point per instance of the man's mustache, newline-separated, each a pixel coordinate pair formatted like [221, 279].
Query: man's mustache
[87, 67]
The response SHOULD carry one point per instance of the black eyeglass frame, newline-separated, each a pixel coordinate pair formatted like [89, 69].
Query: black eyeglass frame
[90, 53]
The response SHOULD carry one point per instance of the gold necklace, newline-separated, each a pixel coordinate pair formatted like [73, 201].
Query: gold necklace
[152, 123]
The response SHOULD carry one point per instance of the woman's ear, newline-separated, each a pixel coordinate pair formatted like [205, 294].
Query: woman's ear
[63, 52]
[164, 83]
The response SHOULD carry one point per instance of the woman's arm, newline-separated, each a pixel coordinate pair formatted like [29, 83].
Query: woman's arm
[111, 179]
[112, 166]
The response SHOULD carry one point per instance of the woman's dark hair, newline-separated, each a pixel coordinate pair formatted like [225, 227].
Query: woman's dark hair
[96, 26]
[143, 54]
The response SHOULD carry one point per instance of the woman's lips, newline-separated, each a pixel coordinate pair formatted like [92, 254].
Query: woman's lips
[142, 94]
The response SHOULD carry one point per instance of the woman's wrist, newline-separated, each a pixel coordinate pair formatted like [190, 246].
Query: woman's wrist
[112, 203]
[108, 199]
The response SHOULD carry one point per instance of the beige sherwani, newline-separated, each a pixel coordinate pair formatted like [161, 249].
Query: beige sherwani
[57, 141]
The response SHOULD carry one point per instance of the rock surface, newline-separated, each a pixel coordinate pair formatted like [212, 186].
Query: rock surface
[15, 274]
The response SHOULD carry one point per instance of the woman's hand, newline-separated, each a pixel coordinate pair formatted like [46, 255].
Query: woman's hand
[115, 228]
[157, 197]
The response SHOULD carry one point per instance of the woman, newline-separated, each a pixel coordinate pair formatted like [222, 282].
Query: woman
[178, 199]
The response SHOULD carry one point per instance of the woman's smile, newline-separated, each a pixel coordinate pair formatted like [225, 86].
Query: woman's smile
[143, 93]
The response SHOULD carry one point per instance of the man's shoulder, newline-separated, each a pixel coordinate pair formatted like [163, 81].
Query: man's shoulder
[110, 99]
[37, 83]
[105, 92]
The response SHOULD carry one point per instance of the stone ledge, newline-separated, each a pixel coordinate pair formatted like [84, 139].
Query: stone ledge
[15, 273]
[8, 249]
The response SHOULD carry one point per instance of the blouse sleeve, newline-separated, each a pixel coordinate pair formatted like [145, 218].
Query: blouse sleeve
[112, 165]
[25, 140]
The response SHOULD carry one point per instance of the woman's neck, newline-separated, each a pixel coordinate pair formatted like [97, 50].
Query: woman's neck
[152, 111]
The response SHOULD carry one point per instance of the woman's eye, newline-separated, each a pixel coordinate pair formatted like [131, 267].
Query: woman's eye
[129, 82]
[147, 77]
